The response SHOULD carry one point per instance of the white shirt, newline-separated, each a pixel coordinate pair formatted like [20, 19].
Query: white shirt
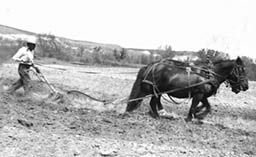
[24, 55]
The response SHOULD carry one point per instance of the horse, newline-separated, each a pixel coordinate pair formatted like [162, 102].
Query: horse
[183, 80]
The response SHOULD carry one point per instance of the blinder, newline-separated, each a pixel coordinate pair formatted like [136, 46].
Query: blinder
[237, 78]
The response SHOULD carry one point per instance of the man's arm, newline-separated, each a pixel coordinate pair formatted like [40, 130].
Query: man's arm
[22, 56]
[18, 56]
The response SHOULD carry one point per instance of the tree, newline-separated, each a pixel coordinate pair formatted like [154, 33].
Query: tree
[120, 55]
[48, 45]
[168, 51]
[81, 51]
[212, 54]
[250, 68]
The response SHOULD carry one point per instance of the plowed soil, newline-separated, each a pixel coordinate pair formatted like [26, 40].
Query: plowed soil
[37, 125]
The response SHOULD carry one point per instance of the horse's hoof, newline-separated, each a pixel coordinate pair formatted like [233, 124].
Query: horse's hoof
[188, 120]
[153, 115]
[125, 114]
[199, 117]
[171, 116]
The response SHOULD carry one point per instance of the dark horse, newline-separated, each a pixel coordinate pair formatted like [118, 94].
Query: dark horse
[182, 80]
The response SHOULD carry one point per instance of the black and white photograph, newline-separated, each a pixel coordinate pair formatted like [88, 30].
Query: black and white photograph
[128, 78]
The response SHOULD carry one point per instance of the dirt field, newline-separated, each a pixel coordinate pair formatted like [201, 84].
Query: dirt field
[38, 126]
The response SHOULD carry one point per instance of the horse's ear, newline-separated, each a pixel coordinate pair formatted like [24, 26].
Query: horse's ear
[239, 61]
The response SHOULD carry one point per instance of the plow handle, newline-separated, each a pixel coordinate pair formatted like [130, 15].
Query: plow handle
[43, 78]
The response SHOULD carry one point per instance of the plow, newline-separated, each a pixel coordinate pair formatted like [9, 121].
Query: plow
[77, 98]
[55, 95]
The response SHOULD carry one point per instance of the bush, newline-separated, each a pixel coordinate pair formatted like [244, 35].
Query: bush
[212, 54]
[250, 68]
[49, 46]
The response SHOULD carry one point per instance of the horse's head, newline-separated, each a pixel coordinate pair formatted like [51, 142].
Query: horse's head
[238, 77]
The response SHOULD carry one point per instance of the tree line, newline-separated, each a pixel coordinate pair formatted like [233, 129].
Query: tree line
[51, 47]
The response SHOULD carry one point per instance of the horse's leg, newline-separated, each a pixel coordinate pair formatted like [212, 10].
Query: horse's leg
[136, 95]
[208, 109]
[159, 104]
[199, 108]
[134, 104]
[196, 99]
[153, 103]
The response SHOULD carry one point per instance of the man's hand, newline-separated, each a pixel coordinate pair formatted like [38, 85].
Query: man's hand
[25, 58]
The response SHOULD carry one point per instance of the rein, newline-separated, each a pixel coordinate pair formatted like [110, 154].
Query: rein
[170, 91]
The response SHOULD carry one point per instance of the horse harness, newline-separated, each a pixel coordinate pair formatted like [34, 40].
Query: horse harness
[205, 72]
[211, 75]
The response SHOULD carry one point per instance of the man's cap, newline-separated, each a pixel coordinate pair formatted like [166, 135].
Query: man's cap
[31, 39]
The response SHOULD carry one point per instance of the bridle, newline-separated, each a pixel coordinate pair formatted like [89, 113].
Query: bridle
[236, 77]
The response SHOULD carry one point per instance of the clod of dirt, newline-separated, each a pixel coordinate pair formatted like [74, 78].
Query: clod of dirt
[108, 152]
[25, 123]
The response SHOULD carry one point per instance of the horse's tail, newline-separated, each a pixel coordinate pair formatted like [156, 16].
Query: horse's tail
[136, 92]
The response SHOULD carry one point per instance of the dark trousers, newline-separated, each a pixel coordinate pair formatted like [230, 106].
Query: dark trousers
[24, 79]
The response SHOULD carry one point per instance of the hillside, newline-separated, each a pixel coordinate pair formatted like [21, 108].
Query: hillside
[79, 43]
[11, 30]
[18, 33]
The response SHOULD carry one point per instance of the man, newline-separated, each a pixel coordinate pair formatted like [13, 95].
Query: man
[25, 58]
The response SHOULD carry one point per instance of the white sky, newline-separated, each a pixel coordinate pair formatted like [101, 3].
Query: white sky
[225, 25]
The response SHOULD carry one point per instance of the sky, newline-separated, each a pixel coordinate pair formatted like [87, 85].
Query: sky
[223, 25]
